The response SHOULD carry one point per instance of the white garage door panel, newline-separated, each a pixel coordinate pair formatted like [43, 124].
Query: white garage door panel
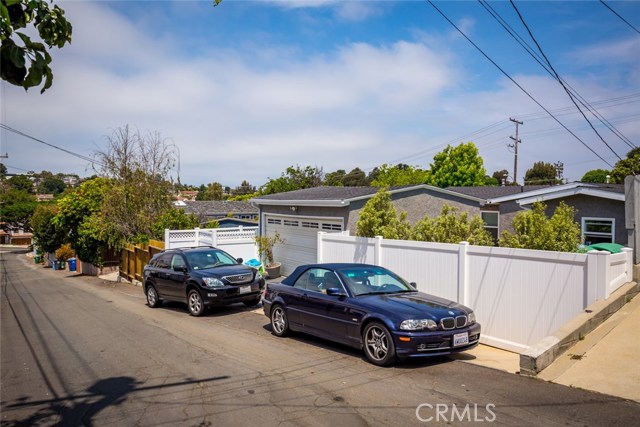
[300, 236]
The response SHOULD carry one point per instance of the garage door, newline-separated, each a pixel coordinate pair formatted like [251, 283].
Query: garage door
[301, 238]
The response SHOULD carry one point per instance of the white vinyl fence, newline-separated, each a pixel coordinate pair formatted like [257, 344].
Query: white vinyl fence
[239, 242]
[520, 296]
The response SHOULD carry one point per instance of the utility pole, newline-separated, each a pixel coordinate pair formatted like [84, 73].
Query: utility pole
[559, 170]
[516, 141]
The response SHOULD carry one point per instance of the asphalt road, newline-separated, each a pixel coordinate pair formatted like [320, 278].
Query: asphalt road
[78, 351]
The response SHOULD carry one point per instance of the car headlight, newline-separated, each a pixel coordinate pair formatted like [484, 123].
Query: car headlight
[418, 324]
[258, 275]
[471, 318]
[212, 282]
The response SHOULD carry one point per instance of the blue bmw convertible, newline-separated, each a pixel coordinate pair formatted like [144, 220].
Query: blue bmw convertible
[370, 307]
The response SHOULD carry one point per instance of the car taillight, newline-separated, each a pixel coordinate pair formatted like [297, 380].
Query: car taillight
[266, 290]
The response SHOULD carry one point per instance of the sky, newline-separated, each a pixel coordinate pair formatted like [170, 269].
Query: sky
[248, 88]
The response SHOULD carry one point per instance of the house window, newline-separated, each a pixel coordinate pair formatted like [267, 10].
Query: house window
[598, 230]
[291, 223]
[274, 221]
[334, 227]
[491, 223]
[309, 224]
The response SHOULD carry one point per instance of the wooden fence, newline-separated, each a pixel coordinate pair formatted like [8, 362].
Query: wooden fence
[135, 257]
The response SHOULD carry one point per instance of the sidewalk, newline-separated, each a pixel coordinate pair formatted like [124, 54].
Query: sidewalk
[606, 361]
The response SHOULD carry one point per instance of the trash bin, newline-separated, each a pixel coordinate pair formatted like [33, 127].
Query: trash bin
[255, 264]
[56, 264]
[72, 264]
[37, 259]
[613, 248]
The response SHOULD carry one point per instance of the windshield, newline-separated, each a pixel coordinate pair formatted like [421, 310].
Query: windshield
[369, 280]
[209, 258]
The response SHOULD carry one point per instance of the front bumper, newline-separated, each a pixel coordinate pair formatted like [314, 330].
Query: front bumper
[232, 294]
[436, 343]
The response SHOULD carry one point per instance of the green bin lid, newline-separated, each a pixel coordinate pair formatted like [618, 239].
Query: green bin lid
[614, 248]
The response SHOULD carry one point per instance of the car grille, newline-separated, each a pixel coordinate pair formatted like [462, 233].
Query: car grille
[239, 279]
[453, 322]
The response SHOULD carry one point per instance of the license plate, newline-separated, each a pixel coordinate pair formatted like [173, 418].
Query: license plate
[245, 289]
[460, 339]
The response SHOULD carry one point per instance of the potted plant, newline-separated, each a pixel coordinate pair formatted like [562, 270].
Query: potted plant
[265, 252]
[63, 253]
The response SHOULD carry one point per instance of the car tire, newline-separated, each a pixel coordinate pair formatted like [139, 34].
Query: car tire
[252, 302]
[195, 303]
[153, 300]
[279, 321]
[378, 344]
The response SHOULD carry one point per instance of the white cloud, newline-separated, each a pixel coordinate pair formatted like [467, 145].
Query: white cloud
[348, 11]
[248, 114]
[610, 52]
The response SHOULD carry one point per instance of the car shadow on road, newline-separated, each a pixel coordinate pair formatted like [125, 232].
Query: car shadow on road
[81, 408]
[345, 350]
[223, 311]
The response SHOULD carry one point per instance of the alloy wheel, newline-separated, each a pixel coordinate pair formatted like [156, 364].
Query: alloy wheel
[377, 343]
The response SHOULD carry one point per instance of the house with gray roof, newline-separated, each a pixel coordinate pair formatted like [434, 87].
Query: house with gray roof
[227, 213]
[298, 215]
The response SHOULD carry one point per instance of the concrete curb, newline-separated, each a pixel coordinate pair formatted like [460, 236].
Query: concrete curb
[542, 354]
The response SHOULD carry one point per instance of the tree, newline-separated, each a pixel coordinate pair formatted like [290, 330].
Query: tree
[294, 178]
[25, 62]
[459, 166]
[452, 227]
[400, 174]
[378, 218]
[21, 183]
[335, 179]
[16, 208]
[596, 176]
[46, 233]
[51, 185]
[213, 191]
[79, 214]
[500, 175]
[533, 230]
[541, 173]
[139, 166]
[174, 219]
[242, 198]
[628, 166]
[243, 189]
[3, 171]
[355, 178]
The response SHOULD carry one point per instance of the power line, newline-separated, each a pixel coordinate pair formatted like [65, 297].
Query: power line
[516, 83]
[557, 76]
[513, 33]
[17, 132]
[620, 16]
[504, 124]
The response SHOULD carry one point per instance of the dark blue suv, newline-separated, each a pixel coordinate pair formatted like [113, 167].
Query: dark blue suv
[201, 277]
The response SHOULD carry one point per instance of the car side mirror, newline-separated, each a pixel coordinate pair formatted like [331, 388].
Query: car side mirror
[240, 260]
[182, 268]
[335, 292]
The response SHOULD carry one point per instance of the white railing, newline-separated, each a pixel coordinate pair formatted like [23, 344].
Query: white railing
[239, 242]
[520, 296]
